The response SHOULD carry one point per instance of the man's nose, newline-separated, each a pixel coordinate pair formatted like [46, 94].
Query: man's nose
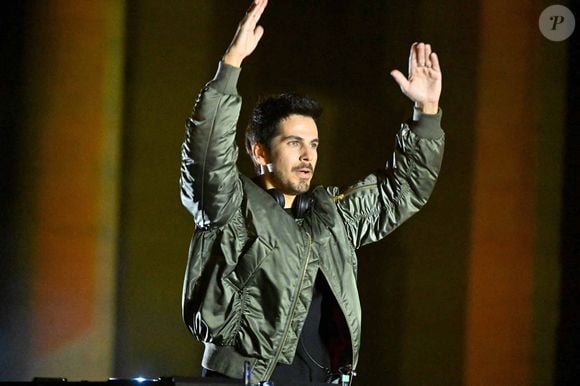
[307, 153]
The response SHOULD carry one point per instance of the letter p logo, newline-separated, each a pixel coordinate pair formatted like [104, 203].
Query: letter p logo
[557, 23]
[556, 20]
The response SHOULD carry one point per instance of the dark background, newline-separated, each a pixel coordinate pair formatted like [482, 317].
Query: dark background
[414, 285]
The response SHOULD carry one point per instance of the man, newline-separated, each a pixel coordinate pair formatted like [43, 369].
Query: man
[271, 276]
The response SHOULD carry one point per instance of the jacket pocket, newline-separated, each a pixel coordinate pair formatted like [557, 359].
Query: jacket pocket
[218, 320]
[254, 254]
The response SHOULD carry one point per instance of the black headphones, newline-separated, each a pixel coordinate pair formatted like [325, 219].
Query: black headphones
[300, 206]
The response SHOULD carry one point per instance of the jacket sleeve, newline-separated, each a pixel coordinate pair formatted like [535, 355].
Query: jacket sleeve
[379, 203]
[210, 185]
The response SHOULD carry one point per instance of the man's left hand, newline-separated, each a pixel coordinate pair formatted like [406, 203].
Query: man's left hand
[423, 86]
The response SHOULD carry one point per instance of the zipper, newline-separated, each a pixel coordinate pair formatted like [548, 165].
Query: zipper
[270, 369]
[352, 190]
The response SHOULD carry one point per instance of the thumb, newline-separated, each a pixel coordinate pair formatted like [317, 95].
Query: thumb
[400, 78]
[258, 33]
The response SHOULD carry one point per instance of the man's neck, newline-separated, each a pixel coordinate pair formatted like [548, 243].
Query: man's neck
[266, 183]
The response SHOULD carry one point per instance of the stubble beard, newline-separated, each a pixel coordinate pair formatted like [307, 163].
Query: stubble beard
[291, 187]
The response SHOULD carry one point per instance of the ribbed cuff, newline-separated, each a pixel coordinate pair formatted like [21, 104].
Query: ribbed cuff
[225, 79]
[427, 125]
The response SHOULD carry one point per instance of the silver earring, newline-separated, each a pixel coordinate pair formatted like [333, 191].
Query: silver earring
[261, 169]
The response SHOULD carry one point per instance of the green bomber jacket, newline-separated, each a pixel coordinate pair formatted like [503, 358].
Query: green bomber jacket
[251, 267]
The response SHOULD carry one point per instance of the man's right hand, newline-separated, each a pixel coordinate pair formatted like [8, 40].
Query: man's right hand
[247, 36]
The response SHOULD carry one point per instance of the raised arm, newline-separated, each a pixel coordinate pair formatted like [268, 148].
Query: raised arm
[210, 185]
[381, 202]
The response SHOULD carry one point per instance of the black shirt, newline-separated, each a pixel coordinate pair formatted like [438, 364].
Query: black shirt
[312, 361]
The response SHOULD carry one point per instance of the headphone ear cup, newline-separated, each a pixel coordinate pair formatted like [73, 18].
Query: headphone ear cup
[278, 196]
[301, 205]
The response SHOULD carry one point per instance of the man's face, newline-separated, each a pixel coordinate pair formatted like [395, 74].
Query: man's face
[293, 154]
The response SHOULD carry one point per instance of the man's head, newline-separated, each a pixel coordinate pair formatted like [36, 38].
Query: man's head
[282, 139]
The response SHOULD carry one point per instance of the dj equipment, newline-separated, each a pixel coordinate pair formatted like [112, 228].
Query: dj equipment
[161, 381]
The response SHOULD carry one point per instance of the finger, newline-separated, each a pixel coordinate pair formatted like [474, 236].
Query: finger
[253, 5]
[412, 58]
[263, 7]
[253, 14]
[435, 62]
[428, 55]
[400, 78]
[258, 29]
[251, 9]
[421, 54]
[257, 12]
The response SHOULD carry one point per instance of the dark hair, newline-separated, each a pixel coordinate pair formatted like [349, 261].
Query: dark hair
[269, 112]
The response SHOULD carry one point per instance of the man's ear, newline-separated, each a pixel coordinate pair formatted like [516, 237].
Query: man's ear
[260, 154]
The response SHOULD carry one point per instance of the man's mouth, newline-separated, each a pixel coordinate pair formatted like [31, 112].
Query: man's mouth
[304, 171]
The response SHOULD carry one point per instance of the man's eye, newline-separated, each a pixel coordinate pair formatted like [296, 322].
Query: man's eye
[293, 143]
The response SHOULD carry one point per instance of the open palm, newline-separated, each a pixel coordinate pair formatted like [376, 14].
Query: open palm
[247, 35]
[423, 85]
